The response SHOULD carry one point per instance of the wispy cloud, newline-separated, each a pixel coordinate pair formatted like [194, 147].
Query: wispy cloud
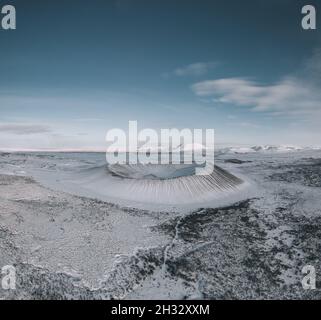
[88, 119]
[288, 96]
[313, 64]
[193, 69]
[249, 125]
[296, 94]
[21, 129]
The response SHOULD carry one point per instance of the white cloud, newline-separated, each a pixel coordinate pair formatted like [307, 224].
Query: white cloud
[288, 96]
[194, 69]
[298, 94]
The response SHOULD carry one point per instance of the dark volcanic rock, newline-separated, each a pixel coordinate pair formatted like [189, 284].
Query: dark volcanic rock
[235, 161]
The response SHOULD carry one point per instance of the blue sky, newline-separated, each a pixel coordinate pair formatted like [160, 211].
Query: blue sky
[74, 69]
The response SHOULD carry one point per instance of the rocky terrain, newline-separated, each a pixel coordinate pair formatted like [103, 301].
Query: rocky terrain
[66, 246]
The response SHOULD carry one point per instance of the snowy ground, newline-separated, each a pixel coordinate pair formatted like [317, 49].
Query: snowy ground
[66, 245]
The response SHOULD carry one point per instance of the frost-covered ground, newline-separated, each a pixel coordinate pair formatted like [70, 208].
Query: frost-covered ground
[67, 244]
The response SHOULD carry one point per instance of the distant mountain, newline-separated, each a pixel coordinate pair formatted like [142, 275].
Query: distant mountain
[264, 148]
